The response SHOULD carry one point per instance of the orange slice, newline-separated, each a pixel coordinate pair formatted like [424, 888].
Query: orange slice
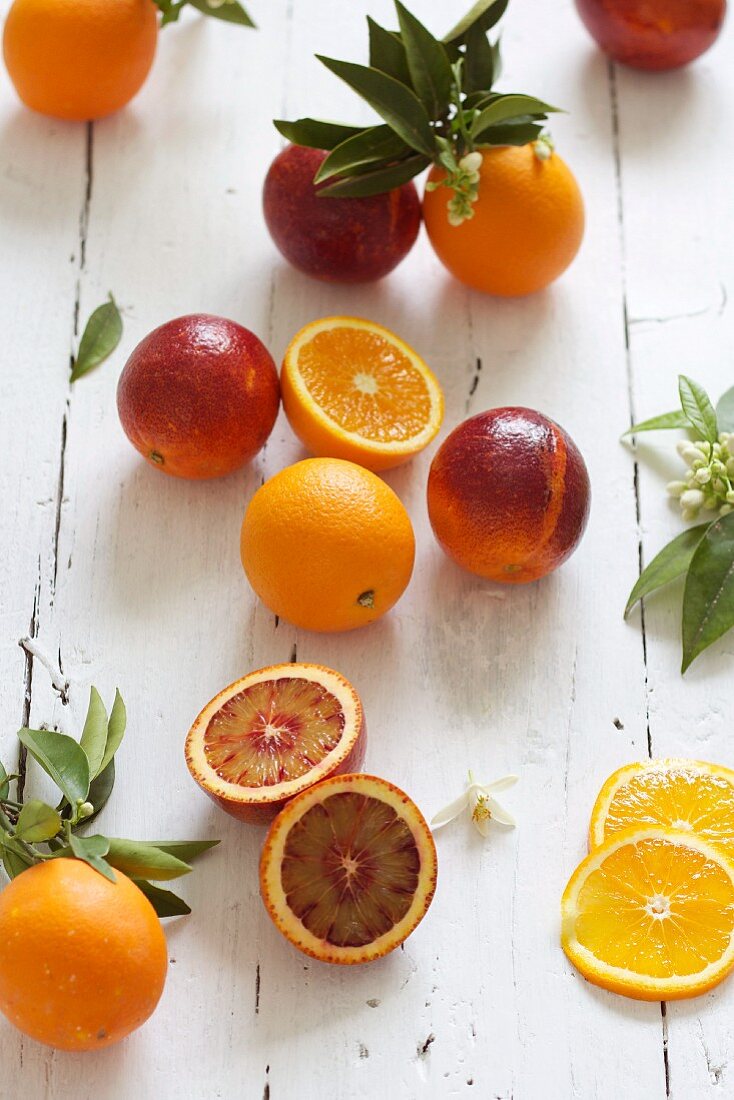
[681, 794]
[650, 914]
[272, 734]
[352, 389]
[348, 869]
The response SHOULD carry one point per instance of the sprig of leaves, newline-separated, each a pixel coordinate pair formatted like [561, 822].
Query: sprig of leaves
[703, 555]
[102, 334]
[84, 772]
[436, 103]
[230, 11]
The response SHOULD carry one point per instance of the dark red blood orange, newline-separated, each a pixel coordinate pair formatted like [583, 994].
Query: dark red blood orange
[653, 34]
[199, 396]
[509, 495]
[339, 240]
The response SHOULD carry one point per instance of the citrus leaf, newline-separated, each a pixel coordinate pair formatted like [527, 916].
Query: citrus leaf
[377, 181]
[505, 107]
[708, 598]
[115, 730]
[13, 860]
[94, 734]
[4, 783]
[140, 858]
[373, 145]
[387, 52]
[182, 849]
[165, 902]
[479, 71]
[725, 411]
[62, 758]
[675, 419]
[170, 10]
[697, 406]
[397, 105]
[428, 64]
[514, 133]
[101, 336]
[485, 14]
[37, 821]
[230, 11]
[92, 850]
[672, 561]
[314, 133]
[100, 790]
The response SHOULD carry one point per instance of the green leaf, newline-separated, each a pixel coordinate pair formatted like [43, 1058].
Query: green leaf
[100, 338]
[165, 902]
[387, 52]
[708, 598]
[672, 561]
[4, 783]
[397, 105]
[479, 61]
[92, 850]
[100, 790]
[725, 411]
[505, 107]
[428, 63]
[675, 419]
[14, 861]
[115, 730]
[513, 133]
[94, 734]
[37, 821]
[484, 15]
[377, 181]
[697, 406]
[314, 133]
[136, 857]
[182, 849]
[230, 12]
[378, 143]
[62, 758]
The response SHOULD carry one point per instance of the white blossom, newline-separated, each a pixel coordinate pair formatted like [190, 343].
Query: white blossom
[479, 799]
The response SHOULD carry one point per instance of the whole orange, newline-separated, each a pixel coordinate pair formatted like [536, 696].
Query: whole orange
[509, 495]
[79, 59]
[527, 226]
[83, 960]
[327, 545]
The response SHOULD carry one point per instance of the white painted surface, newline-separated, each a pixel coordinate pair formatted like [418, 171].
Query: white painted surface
[135, 578]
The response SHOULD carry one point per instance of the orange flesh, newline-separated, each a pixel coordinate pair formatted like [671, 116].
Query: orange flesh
[365, 384]
[350, 869]
[656, 911]
[273, 731]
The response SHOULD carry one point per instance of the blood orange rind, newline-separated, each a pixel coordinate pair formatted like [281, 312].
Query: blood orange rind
[404, 879]
[272, 734]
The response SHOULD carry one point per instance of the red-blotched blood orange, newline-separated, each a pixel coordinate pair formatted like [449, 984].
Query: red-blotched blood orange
[274, 733]
[348, 869]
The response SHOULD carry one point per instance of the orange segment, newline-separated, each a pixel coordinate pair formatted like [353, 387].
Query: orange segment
[650, 914]
[272, 734]
[682, 794]
[348, 869]
[354, 390]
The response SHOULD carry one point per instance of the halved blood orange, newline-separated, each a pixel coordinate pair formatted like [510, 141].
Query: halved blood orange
[348, 869]
[274, 733]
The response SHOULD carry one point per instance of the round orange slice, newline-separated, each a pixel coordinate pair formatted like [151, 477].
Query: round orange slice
[682, 794]
[348, 869]
[272, 734]
[650, 914]
[352, 389]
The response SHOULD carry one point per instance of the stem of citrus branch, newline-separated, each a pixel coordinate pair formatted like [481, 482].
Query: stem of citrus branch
[456, 100]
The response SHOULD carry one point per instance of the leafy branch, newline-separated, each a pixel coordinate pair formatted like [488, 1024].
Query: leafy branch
[437, 106]
[84, 772]
[230, 11]
[704, 554]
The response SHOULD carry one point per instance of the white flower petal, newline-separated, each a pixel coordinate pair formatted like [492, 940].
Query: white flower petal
[502, 784]
[448, 813]
[482, 825]
[500, 814]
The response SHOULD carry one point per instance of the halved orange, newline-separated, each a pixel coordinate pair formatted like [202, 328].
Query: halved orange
[352, 389]
[348, 869]
[650, 914]
[274, 733]
[683, 794]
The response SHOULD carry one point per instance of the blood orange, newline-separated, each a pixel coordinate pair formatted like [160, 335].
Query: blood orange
[348, 869]
[274, 733]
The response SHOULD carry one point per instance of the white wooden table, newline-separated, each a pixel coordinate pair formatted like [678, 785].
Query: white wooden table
[133, 579]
